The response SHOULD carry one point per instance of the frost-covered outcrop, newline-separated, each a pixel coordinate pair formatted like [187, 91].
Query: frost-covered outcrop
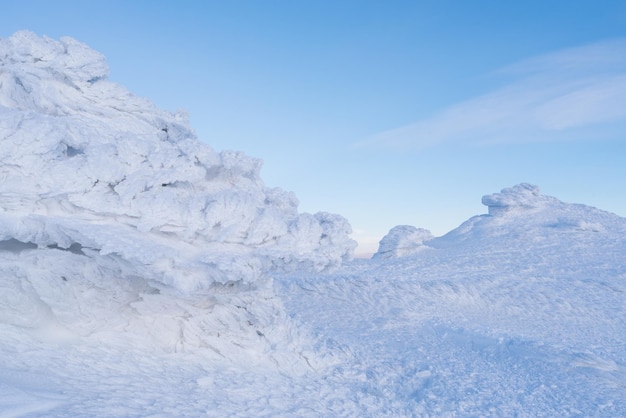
[403, 240]
[520, 197]
[85, 163]
[517, 215]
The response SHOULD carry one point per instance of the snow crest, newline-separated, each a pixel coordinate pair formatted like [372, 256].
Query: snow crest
[85, 163]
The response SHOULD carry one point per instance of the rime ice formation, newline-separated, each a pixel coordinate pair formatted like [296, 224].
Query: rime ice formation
[117, 226]
[86, 164]
[520, 197]
[403, 240]
[522, 211]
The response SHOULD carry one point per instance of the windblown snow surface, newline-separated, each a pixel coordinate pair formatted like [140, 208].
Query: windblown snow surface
[144, 274]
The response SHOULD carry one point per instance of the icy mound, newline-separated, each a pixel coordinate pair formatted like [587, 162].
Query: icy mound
[403, 240]
[521, 197]
[87, 165]
[522, 211]
[519, 217]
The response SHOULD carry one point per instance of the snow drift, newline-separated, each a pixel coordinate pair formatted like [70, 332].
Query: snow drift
[85, 163]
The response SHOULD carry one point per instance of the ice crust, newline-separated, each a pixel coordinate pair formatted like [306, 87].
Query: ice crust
[85, 162]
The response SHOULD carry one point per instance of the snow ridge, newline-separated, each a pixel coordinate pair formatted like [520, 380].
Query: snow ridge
[517, 214]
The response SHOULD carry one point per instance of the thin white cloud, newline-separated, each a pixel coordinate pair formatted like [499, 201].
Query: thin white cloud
[553, 97]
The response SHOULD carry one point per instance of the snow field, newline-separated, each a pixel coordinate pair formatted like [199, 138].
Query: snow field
[144, 274]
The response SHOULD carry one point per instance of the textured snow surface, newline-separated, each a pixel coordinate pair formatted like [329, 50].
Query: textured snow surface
[143, 274]
[519, 313]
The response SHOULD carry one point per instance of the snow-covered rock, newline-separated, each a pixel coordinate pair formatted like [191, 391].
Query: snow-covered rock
[119, 227]
[403, 240]
[520, 197]
[84, 162]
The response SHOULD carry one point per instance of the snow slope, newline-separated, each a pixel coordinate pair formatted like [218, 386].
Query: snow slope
[144, 274]
[521, 312]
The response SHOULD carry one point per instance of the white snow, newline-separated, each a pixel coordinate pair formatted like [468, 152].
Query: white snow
[144, 274]
[85, 162]
[403, 240]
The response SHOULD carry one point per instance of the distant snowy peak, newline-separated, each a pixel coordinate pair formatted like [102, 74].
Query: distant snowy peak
[85, 162]
[518, 216]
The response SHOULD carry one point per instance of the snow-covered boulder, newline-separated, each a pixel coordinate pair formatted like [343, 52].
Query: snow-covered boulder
[85, 163]
[402, 240]
[520, 197]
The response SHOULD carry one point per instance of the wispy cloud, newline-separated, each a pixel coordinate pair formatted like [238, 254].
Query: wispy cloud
[577, 93]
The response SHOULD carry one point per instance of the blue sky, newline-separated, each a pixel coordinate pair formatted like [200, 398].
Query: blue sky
[387, 112]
